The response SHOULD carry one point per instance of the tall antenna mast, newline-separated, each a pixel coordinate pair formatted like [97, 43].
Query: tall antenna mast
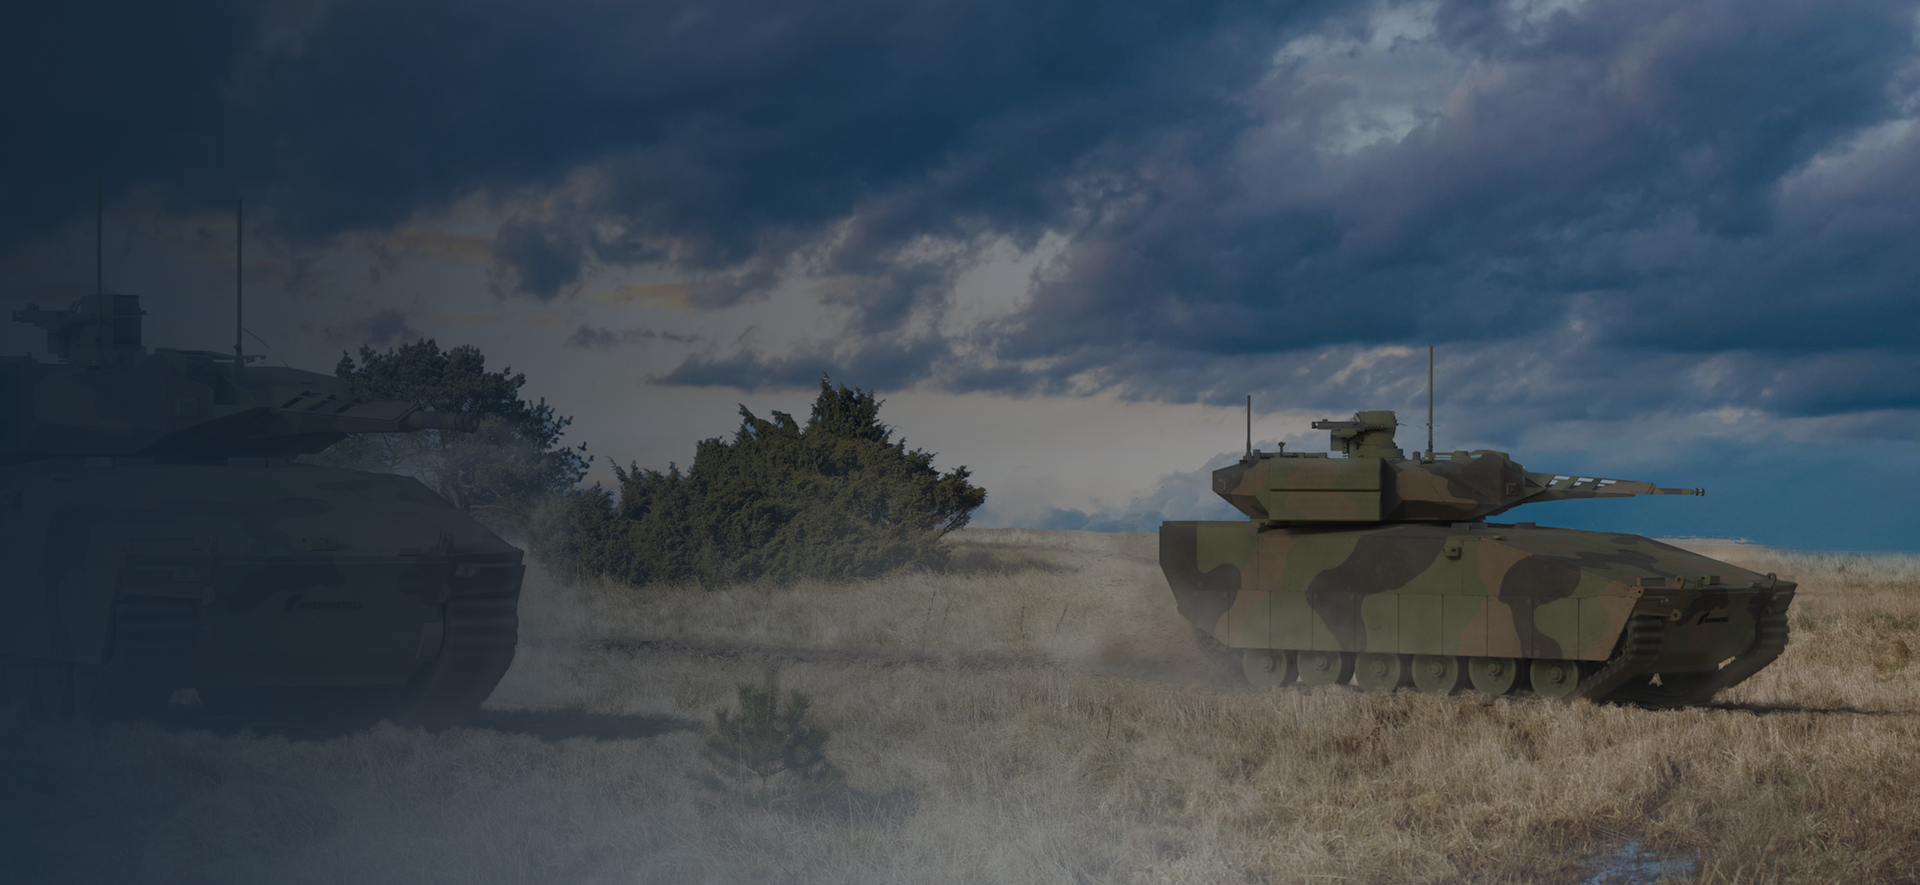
[238, 360]
[1429, 402]
[99, 284]
[99, 235]
[1249, 426]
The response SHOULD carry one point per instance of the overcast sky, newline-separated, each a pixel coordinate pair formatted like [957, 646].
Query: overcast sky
[1659, 241]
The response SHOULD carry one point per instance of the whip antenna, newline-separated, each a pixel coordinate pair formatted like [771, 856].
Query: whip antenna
[1249, 426]
[238, 360]
[1429, 402]
[99, 286]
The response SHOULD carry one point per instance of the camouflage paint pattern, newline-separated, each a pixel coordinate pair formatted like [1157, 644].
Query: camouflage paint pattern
[1363, 555]
[159, 536]
[1508, 591]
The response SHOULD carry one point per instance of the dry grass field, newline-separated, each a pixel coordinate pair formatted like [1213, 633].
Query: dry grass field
[1037, 715]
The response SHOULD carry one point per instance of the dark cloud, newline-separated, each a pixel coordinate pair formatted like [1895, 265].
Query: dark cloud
[1621, 202]
[589, 336]
[875, 366]
[125, 94]
[1613, 197]
[1561, 155]
[537, 260]
[592, 337]
[724, 127]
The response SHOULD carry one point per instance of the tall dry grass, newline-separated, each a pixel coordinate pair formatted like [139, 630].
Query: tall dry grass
[1037, 716]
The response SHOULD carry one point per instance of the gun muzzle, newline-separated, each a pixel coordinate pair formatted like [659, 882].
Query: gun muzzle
[464, 422]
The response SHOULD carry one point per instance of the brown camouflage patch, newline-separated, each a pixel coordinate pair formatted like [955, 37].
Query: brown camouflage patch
[1200, 596]
[1495, 561]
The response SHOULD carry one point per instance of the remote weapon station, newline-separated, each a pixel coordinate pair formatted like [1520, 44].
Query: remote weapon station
[160, 537]
[1382, 569]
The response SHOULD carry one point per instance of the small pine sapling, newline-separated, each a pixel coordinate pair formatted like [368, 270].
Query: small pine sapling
[766, 753]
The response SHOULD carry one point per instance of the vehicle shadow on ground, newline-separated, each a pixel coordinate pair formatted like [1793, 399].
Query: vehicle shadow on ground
[556, 725]
[547, 725]
[1770, 709]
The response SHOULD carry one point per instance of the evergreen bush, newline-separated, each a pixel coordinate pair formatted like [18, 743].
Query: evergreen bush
[836, 499]
[502, 471]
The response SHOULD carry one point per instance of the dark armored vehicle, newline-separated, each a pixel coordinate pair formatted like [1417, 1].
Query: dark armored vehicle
[1381, 568]
[158, 535]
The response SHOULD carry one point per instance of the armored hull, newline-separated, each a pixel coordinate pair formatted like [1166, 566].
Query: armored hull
[133, 579]
[1494, 607]
[1348, 569]
[159, 535]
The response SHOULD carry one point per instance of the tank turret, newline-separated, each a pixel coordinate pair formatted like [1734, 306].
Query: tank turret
[1376, 482]
[1381, 569]
[96, 330]
[109, 396]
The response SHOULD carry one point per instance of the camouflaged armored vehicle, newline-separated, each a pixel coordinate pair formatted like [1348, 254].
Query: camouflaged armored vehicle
[157, 535]
[1382, 569]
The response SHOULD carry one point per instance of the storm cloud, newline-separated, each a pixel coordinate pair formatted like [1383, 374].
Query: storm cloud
[1598, 210]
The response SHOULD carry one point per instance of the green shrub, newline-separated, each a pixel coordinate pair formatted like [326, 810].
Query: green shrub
[499, 473]
[765, 752]
[835, 499]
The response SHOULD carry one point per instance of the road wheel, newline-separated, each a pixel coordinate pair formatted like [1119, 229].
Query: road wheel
[1493, 675]
[1323, 667]
[1381, 672]
[1438, 674]
[1269, 667]
[1554, 678]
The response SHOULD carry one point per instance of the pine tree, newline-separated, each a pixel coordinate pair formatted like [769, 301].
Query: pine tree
[765, 752]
